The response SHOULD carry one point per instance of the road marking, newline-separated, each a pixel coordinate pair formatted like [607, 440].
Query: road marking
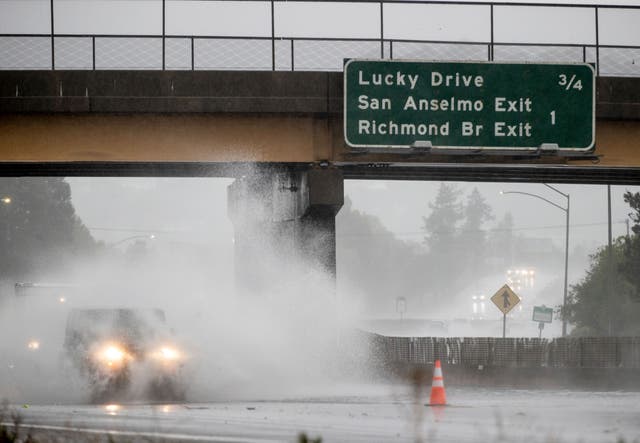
[168, 436]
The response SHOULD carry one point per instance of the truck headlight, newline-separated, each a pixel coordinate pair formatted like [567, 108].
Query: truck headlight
[167, 354]
[112, 355]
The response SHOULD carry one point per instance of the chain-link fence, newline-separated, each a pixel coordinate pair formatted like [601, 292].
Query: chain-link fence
[300, 35]
[583, 352]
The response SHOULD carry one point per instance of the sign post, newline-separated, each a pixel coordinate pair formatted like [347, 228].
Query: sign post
[505, 299]
[490, 106]
[542, 315]
[401, 306]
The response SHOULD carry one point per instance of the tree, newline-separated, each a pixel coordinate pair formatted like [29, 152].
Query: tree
[634, 203]
[630, 266]
[472, 237]
[502, 240]
[596, 311]
[376, 263]
[441, 227]
[442, 223]
[598, 306]
[40, 230]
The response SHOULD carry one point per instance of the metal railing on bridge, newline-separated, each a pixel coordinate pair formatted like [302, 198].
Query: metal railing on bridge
[309, 35]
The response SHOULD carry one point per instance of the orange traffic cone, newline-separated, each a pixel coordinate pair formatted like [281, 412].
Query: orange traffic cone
[438, 397]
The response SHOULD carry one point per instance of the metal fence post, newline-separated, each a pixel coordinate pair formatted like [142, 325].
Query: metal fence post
[292, 56]
[273, 38]
[53, 45]
[381, 30]
[163, 34]
[597, 44]
[491, 47]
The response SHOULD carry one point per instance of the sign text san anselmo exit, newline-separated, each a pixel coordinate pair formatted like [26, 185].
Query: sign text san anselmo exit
[495, 106]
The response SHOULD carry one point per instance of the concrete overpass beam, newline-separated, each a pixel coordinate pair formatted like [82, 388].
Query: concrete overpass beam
[325, 197]
[283, 219]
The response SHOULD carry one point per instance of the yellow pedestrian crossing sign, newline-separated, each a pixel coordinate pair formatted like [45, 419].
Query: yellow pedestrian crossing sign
[505, 299]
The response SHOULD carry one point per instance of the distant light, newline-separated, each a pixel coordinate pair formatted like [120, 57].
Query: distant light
[482, 297]
[166, 409]
[34, 345]
[509, 271]
[112, 409]
[473, 297]
[6, 200]
[501, 192]
[62, 299]
[152, 236]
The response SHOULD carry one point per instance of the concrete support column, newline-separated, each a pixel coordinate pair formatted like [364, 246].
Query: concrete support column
[283, 219]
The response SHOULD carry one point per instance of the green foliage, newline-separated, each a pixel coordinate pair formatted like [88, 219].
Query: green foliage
[302, 438]
[476, 213]
[473, 238]
[10, 434]
[7, 435]
[456, 238]
[599, 307]
[502, 240]
[630, 266]
[634, 202]
[372, 259]
[441, 224]
[38, 227]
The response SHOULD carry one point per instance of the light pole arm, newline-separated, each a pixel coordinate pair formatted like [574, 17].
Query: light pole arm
[148, 237]
[557, 190]
[538, 197]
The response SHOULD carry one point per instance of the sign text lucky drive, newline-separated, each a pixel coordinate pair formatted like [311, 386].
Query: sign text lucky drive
[481, 105]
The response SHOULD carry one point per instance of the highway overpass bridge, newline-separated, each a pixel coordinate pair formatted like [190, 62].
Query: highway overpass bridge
[279, 133]
[277, 127]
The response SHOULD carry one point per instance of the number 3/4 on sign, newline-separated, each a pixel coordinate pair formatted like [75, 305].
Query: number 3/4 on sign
[567, 83]
[571, 83]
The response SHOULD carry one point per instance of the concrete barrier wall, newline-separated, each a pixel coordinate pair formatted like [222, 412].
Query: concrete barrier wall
[489, 352]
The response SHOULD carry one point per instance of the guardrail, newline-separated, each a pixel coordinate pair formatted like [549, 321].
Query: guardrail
[306, 35]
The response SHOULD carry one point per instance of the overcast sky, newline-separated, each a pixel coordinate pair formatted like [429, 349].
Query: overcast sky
[194, 210]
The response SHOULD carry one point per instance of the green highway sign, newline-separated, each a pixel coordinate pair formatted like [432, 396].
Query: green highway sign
[463, 105]
[542, 314]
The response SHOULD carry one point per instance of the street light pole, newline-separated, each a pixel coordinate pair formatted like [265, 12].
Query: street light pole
[6, 201]
[566, 244]
[566, 272]
[566, 260]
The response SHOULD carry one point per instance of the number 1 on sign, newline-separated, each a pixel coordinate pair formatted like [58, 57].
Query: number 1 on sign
[553, 117]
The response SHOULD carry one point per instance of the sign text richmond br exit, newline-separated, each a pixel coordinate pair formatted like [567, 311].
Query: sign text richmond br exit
[495, 106]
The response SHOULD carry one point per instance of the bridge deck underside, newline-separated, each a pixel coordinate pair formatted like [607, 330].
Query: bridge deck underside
[218, 123]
